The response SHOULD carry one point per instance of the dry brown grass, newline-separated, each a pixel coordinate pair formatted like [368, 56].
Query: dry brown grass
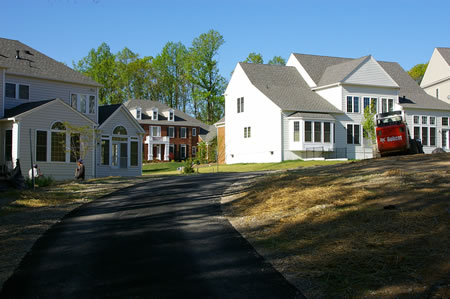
[370, 229]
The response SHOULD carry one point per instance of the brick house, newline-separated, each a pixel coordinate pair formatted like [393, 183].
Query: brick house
[170, 134]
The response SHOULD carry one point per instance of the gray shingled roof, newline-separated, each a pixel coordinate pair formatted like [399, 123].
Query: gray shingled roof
[415, 97]
[181, 118]
[210, 135]
[286, 88]
[105, 111]
[339, 72]
[22, 108]
[445, 52]
[33, 63]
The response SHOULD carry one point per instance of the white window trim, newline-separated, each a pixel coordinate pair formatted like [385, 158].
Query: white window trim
[158, 131]
[17, 84]
[185, 132]
[49, 144]
[185, 151]
[194, 132]
[353, 104]
[421, 125]
[313, 130]
[171, 112]
[153, 113]
[139, 113]
[353, 134]
[448, 121]
[88, 97]
[109, 138]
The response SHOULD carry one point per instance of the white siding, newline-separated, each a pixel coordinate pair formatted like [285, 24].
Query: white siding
[333, 95]
[409, 113]
[376, 92]
[41, 90]
[444, 90]
[261, 114]
[437, 69]
[42, 119]
[371, 73]
[120, 119]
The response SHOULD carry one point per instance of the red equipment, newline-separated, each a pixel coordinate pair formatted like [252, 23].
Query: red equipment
[393, 134]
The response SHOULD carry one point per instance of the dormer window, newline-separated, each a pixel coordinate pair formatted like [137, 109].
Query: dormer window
[171, 115]
[138, 113]
[154, 114]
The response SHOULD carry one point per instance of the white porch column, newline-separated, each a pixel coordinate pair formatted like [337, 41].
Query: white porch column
[150, 148]
[166, 151]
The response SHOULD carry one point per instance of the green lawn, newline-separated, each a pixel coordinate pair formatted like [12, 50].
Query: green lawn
[171, 167]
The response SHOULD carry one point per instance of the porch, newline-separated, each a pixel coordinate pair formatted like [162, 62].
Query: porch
[158, 148]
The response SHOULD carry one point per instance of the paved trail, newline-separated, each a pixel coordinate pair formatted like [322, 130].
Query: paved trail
[162, 239]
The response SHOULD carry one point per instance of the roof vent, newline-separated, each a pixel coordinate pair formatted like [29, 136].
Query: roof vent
[29, 53]
[17, 54]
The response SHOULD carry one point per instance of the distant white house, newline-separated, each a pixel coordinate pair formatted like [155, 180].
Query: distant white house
[38, 97]
[436, 81]
[313, 107]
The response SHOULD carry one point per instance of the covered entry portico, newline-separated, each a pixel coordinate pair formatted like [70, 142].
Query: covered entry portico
[155, 150]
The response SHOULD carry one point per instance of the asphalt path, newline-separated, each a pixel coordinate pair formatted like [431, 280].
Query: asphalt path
[165, 238]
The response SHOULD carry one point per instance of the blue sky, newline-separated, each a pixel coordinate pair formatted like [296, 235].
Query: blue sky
[395, 30]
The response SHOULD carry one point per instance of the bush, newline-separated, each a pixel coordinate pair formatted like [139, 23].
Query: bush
[41, 181]
[188, 166]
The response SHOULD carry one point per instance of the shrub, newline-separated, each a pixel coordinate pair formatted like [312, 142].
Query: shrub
[188, 166]
[41, 181]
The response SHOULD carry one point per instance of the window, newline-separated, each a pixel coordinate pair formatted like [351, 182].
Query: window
[171, 116]
[326, 132]
[8, 145]
[424, 120]
[353, 134]
[10, 90]
[247, 132]
[171, 132]
[171, 149]
[194, 131]
[105, 152]
[156, 131]
[432, 136]
[432, 120]
[83, 103]
[138, 113]
[308, 131]
[425, 135]
[58, 142]
[13, 90]
[194, 151]
[155, 114]
[317, 131]
[445, 121]
[390, 105]
[366, 103]
[416, 119]
[437, 93]
[134, 153]
[374, 103]
[296, 131]
[416, 133]
[41, 146]
[183, 151]
[352, 104]
[120, 130]
[349, 104]
[75, 147]
[384, 105]
[183, 132]
[240, 105]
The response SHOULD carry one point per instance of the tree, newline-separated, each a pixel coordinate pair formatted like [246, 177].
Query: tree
[254, 58]
[368, 123]
[100, 66]
[82, 140]
[203, 73]
[418, 71]
[277, 60]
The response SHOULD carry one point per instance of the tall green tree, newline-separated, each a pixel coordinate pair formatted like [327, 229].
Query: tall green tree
[418, 71]
[254, 58]
[203, 73]
[277, 60]
[99, 65]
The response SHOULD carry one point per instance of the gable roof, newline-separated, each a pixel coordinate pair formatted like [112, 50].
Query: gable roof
[445, 53]
[104, 112]
[181, 118]
[339, 72]
[284, 86]
[414, 96]
[32, 63]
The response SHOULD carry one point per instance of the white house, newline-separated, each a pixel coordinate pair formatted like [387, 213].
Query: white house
[39, 99]
[314, 107]
[436, 81]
